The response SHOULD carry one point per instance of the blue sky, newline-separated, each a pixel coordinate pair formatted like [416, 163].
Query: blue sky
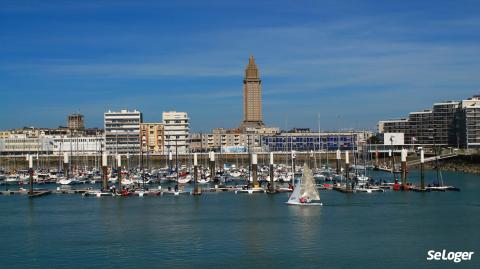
[352, 62]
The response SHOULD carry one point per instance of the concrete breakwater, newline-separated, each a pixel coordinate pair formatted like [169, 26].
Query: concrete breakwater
[461, 163]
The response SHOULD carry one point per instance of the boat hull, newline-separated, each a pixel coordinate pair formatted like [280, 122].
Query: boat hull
[304, 204]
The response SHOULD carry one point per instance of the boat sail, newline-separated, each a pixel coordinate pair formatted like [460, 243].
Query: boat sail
[305, 192]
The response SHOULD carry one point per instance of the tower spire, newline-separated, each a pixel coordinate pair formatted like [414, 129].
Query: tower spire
[251, 72]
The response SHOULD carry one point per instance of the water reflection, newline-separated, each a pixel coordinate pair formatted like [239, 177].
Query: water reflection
[306, 225]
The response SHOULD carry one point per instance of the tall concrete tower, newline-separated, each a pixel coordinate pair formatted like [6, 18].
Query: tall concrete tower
[252, 97]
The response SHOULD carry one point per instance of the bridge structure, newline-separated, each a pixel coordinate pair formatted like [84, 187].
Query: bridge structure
[434, 158]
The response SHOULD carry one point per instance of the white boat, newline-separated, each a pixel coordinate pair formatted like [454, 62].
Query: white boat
[65, 181]
[235, 174]
[319, 176]
[368, 189]
[443, 188]
[250, 191]
[185, 179]
[12, 179]
[127, 182]
[203, 181]
[305, 192]
[275, 178]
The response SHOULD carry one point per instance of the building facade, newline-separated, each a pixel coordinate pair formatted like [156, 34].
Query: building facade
[252, 97]
[443, 123]
[75, 122]
[393, 126]
[176, 131]
[20, 145]
[152, 137]
[420, 128]
[468, 123]
[76, 145]
[449, 123]
[122, 131]
[314, 141]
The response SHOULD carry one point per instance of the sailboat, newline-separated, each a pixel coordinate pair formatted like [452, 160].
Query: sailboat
[305, 192]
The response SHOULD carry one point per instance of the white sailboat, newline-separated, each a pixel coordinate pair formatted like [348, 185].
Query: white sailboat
[305, 192]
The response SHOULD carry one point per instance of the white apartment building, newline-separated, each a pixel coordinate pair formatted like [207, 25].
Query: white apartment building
[468, 119]
[51, 145]
[81, 145]
[176, 131]
[21, 144]
[122, 131]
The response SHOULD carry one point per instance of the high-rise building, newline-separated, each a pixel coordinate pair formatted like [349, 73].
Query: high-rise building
[468, 122]
[176, 131]
[420, 128]
[252, 97]
[449, 123]
[393, 126]
[122, 131]
[152, 137]
[443, 122]
[75, 122]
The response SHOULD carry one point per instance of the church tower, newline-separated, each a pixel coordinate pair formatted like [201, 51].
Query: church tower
[252, 97]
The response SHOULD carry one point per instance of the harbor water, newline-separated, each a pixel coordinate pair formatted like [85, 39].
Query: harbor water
[227, 230]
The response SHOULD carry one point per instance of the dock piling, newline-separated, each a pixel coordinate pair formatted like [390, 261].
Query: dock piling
[30, 171]
[211, 154]
[404, 169]
[347, 168]
[119, 172]
[196, 190]
[272, 186]
[65, 165]
[104, 171]
[338, 161]
[254, 170]
[422, 169]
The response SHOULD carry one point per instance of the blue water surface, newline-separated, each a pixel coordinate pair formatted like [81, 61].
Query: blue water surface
[225, 230]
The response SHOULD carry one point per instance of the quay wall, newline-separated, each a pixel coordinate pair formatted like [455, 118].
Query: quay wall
[10, 163]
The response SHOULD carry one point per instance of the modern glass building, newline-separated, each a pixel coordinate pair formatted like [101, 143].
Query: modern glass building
[309, 141]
